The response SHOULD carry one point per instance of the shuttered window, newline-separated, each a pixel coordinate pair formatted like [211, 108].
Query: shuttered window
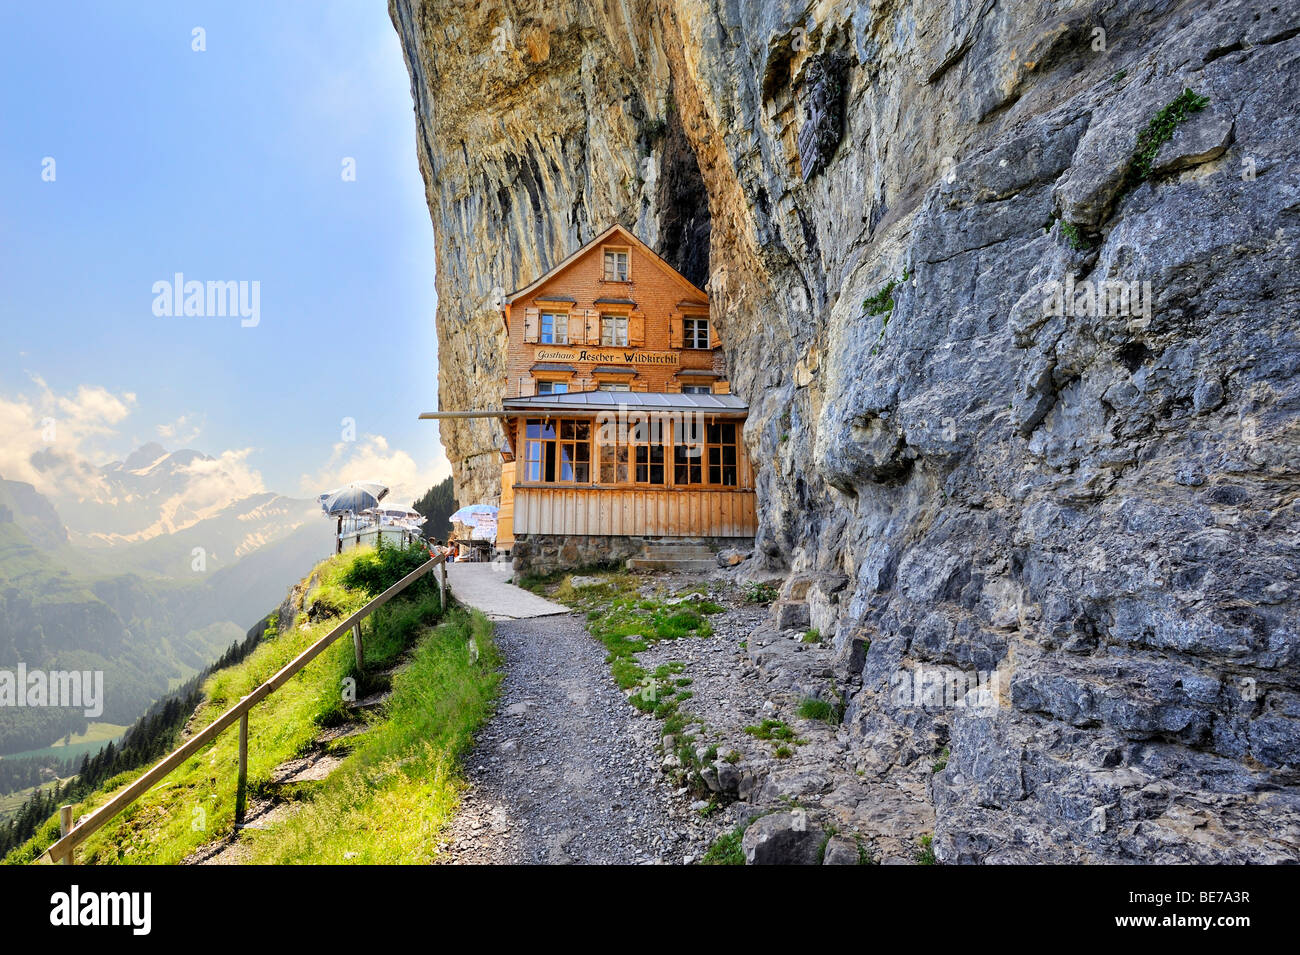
[695, 333]
[613, 330]
[555, 329]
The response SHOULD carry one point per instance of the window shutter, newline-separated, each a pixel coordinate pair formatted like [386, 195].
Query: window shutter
[581, 384]
[638, 386]
[636, 329]
[593, 327]
[577, 327]
[532, 321]
[527, 387]
[675, 333]
[714, 340]
[722, 387]
[674, 386]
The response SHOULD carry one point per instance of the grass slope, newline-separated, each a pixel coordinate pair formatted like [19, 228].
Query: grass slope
[395, 793]
[195, 804]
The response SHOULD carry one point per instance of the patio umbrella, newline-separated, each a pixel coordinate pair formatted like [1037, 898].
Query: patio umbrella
[354, 498]
[468, 513]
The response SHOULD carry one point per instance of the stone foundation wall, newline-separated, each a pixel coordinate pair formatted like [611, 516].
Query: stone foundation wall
[546, 553]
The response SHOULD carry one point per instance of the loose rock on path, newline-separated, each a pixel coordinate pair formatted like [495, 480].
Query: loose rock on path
[566, 772]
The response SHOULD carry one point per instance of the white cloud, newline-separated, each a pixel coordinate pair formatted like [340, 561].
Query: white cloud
[48, 439]
[181, 432]
[60, 443]
[371, 459]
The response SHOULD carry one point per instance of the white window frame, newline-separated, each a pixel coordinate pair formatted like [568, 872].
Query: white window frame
[612, 256]
[618, 323]
[559, 328]
[695, 333]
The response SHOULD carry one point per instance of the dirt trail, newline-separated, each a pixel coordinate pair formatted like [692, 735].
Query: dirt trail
[566, 771]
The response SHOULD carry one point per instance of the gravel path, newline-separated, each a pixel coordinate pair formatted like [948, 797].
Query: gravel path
[566, 772]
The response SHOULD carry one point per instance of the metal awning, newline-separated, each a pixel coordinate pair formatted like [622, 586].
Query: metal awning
[697, 373]
[615, 301]
[726, 405]
[551, 366]
[614, 370]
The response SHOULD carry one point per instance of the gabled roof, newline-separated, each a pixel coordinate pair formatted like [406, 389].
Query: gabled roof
[614, 231]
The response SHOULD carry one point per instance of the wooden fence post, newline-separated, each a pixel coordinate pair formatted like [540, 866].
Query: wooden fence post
[241, 787]
[65, 826]
[442, 586]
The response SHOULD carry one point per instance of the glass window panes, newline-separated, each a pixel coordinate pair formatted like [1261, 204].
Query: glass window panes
[695, 332]
[555, 329]
[650, 464]
[557, 452]
[613, 330]
[615, 266]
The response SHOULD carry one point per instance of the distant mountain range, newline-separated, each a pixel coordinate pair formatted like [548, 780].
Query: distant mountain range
[148, 578]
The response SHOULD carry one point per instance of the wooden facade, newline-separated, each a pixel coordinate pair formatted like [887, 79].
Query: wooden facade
[619, 416]
[623, 512]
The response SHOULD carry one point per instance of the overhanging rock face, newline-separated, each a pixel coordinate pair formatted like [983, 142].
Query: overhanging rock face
[1093, 501]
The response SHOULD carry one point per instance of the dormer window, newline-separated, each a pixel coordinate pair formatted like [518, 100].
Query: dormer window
[616, 265]
[555, 328]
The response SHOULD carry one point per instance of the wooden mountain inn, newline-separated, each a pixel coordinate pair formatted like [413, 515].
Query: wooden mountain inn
[620, 429]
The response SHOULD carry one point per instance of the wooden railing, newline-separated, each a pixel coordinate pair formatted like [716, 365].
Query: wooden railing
[72, 836]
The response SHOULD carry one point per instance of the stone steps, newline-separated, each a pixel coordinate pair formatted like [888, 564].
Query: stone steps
[686, 555]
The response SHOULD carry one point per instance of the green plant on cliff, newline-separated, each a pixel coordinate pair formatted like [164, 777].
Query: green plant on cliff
[1074, 236]
[1158, 132]
[941, 763]
[925, 854]
[813, 708]
[882, 303]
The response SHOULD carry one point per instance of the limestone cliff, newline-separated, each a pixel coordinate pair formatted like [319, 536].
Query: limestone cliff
[1087, 492]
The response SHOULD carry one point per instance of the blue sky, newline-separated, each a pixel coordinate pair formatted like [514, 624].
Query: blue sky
[222, 164]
